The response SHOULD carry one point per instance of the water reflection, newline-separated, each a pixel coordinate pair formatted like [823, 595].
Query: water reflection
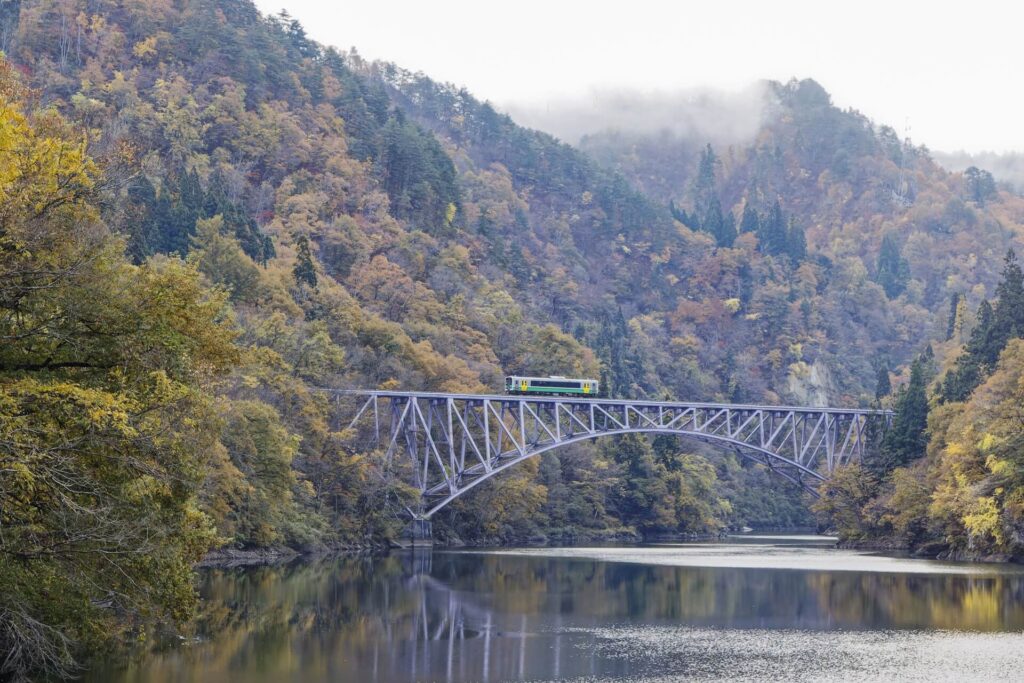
[492, 617]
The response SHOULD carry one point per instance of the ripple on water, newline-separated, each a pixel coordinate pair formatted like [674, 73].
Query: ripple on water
[751, 555]
[662, 654]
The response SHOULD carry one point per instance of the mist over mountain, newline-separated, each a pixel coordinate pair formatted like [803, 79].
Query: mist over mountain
[1007, 167]
[717, 116]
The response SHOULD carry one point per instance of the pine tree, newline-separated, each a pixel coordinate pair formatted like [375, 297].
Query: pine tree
[728, 236]
[906, 439]
[680, 215]
[961, 319]
[722, 228]
[893, 271]
[772, 235]
[750, 222]
[1009, 310]
[704, 183]
[304, 272]
[969, 369]
[796, 242]
[954, 305]
[883, 387]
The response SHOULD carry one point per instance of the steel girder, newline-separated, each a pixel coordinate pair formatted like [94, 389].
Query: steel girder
[455, 441]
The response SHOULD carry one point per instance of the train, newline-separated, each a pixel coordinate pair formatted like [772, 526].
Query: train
[552, 386]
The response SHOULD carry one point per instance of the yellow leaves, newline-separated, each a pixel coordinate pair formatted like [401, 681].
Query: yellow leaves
[17, 482]
[982, 523]
[145, 48]
[66, 406]
[988, 442]
[143, 488]
[732, 305]
[449, 213]
[42, 165]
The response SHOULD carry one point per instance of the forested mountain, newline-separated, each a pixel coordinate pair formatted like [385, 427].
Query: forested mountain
[209, 217]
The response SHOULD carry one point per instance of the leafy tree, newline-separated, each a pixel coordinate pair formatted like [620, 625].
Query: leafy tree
[104, 420]
[642, 498]
[221, 259]
[845, 501]
[977, 464]
[979, 185]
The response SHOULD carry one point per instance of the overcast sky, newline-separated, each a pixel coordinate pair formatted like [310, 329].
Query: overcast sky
[941, 71]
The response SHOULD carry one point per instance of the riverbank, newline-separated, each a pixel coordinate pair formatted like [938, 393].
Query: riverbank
[227, 557]
[933, 550]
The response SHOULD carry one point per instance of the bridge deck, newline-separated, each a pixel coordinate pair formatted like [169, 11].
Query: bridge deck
[611, 401]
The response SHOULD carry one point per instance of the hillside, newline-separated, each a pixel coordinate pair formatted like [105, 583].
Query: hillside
[294, 218]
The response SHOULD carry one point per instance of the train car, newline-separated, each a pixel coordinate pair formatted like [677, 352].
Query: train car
[551, 386]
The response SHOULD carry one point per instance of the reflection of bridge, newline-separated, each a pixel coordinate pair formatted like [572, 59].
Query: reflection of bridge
[456, 441]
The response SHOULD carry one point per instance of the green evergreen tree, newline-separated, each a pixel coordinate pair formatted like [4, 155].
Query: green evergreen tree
[892, 272]
[1009, 309]
[954, 303]
[772, 233]
[303, 271]
[722, 228]
[883, 387]
[750, 221]
[143, 233]
[680, 215]
[728, 234]
[906, 439]
[969, 369]
[796, 242]
[704, 184]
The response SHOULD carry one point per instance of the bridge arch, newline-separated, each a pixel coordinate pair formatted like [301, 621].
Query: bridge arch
[758, 455]
[454, 442]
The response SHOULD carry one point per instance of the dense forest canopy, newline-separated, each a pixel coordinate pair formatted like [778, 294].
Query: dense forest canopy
[208, 217]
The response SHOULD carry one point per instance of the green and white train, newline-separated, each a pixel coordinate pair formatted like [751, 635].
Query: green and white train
[551, 386]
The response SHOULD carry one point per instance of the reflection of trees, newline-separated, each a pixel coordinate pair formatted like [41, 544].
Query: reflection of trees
[474, 617]
[977, 603]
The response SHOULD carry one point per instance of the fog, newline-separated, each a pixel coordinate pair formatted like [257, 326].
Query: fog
[1007, 169]
[717, 116]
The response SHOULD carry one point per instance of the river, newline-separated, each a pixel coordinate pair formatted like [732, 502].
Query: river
[748, 608]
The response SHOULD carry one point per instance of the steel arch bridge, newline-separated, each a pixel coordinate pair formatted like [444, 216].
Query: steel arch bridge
[455, 441]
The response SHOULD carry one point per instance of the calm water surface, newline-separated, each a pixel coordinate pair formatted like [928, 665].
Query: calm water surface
[752, 608]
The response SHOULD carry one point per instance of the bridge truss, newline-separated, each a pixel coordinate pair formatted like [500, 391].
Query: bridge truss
[455, 441]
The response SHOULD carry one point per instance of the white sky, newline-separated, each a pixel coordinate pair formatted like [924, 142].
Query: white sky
[942, 69]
